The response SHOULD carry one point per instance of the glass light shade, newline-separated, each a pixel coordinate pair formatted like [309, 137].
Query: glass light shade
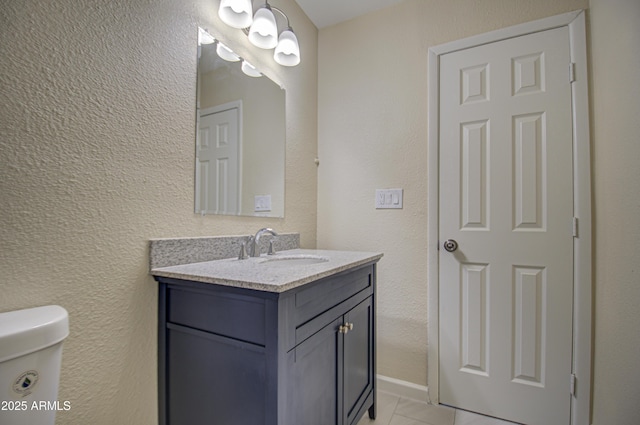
[264, 31]
[287, 51]
[204, 37]
[226, 53]
[250, 70]
[236, 13]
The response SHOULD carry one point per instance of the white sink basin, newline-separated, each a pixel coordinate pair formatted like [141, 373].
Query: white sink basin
[293, 260]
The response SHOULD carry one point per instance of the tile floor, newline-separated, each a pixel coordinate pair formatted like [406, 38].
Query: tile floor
[394, 410]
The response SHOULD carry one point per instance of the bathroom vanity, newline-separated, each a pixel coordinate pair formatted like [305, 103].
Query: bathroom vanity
[287, 339]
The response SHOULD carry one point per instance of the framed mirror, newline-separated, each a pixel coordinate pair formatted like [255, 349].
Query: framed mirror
[240, 138]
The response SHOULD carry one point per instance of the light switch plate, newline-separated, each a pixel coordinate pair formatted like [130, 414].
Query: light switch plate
[389, 198]
[262, 203]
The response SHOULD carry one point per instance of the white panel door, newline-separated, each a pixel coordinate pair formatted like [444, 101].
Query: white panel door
[506, 198]
[218, 159]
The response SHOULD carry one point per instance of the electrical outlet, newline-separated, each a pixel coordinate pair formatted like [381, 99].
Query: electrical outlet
[262, 203]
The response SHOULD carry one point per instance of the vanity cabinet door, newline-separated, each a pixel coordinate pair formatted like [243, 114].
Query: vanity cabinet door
[332, 371]
[213, 380]
[313, 393]
[358, 359]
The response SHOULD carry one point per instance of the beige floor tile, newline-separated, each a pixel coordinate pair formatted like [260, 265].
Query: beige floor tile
[386, 405]
[394, 410]
[426, 413]
[468, 418]
[402, 420]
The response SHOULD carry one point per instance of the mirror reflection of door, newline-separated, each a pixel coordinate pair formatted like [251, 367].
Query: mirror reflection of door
[262, 135]
[218, 160]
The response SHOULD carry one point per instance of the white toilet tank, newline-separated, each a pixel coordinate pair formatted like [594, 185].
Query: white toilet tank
[30, 357]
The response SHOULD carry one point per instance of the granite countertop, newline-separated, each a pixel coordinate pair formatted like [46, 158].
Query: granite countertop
[264, 273]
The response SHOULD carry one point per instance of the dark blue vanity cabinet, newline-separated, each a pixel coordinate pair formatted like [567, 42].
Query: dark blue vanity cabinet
[237, 356]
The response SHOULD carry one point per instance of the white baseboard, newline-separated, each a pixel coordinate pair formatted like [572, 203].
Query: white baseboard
[403, 389]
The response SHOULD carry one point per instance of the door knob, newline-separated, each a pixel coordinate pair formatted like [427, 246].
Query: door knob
[450, 245]
[344, 329]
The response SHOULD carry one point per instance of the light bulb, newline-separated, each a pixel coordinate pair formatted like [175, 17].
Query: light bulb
[287, 51]
[250, 70]
[236, 13]
[204, 37]
[264, 31]
[226, 53]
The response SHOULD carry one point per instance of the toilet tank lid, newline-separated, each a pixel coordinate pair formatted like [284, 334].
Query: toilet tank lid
[25, 331]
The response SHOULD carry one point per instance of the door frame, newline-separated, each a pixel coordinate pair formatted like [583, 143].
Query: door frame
[582, 292]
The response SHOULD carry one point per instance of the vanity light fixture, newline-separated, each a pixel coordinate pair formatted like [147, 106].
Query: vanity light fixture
[263, 32]
[204, 37]
[262, 29]
[250, 70]
[226, 53]
[236, 13]
[287, 51]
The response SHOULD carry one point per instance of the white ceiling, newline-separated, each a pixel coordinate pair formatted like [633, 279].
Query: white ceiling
[324, 13]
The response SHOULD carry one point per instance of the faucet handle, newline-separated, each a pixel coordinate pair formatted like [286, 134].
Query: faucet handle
[243, 249]
[271, 251]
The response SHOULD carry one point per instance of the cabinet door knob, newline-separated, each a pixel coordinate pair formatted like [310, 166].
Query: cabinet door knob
[344, 329]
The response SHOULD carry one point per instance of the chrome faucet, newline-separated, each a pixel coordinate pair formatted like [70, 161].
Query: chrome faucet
[254, 241]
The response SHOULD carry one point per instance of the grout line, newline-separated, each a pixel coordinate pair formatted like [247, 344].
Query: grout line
[395, 408]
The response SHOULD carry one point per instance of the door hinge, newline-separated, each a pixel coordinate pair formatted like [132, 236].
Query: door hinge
[572, 384]
[572, 72]
[575, 227]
